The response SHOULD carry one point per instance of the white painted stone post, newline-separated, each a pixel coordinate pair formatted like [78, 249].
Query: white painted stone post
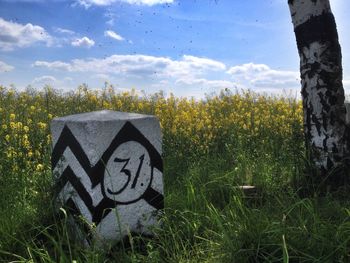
[108, 168]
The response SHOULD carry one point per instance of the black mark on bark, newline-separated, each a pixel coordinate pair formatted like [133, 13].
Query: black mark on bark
[309, 32]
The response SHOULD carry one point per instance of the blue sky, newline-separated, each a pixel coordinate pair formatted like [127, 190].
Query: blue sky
[187, 47]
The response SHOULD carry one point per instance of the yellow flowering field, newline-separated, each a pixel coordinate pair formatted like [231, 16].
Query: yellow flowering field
[209, 146]
[190, 127]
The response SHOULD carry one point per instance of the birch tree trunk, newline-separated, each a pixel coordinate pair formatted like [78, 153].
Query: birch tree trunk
[326, 133]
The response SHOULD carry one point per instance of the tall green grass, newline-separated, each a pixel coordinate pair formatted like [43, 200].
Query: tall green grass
[206, 218]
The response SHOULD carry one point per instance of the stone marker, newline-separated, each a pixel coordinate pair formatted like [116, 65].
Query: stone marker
[108, 169]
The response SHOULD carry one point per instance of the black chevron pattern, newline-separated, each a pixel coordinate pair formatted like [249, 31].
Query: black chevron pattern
[96, 173]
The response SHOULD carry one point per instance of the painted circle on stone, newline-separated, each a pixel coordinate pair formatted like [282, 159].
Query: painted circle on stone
[128, 173]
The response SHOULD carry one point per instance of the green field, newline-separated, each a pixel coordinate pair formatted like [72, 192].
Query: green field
[210, 147]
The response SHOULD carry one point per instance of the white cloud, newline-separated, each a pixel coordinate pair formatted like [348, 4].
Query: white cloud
[101, 76]
[57, 83]
[68, 79]
[15, 35]
[248, 68]
[83, 42]
[44, 80]
[187, 71]
[111, 16]
[262, 76]
[190, 65]
[145, 70]
[346, 82]
[5, 67]
[88, 3]
[64, 31]
[25, 1]
[114, 35]
[215, 84]
[346, 85]
[140, 65]
[57, 65]
[148, 2]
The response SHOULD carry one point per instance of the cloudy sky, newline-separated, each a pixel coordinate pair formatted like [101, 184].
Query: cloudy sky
[187, 47]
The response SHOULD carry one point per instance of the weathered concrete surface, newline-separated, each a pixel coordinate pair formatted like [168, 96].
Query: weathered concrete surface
[108, 168]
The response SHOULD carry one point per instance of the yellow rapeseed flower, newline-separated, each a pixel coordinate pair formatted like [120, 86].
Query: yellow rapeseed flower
[13, 125]
[39, 167]
[42, 125]
[19, 125]
[48, 139]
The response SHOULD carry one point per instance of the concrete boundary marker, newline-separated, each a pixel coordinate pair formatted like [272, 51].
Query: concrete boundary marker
[108, 168]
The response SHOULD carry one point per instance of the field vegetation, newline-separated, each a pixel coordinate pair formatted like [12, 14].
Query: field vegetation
[210, 147]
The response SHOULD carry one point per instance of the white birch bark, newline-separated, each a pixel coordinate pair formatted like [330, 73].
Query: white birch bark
[326, 133]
